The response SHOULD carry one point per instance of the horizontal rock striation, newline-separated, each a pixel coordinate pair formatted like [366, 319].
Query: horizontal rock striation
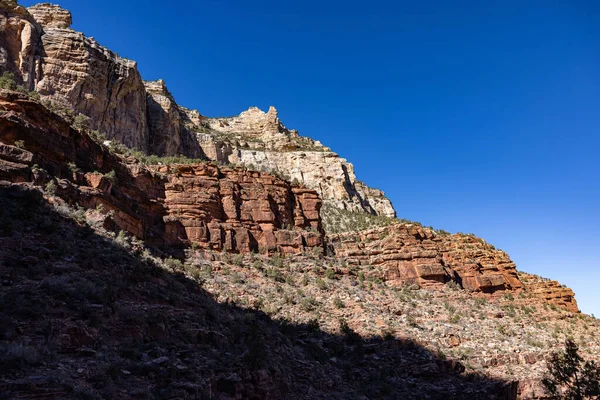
[205, 205]
[77, 72]
[410, 254]
[51, 16]
[406, 254]
[260, 140]
[239, 210]
[550, 291]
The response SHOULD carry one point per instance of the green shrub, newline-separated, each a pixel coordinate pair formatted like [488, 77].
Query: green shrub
[81, 122]
[309, 303]
[112, 177]
[174, 264]
[50, 188]
[8, 81]
[329, 273]
[33, 95]
[567, 370]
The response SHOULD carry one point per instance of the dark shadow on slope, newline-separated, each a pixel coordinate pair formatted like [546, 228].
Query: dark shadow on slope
[83, 318]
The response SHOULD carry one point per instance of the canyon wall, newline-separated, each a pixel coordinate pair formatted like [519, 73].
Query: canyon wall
[77, 73]
[204, 205]
[237, 210]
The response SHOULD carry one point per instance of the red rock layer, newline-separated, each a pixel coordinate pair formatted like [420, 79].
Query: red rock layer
[550, 291]
[408, 254]
[209, 206]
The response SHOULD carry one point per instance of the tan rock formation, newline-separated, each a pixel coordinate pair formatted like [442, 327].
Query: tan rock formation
[51, 16]
[19, 37]
[66, 67]
[259, 140]
[168, 123]
[79, 73]
[252, 122]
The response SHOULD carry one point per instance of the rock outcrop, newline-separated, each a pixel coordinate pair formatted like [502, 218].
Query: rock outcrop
[239, 210]
[74, 71]
[205, 205]
[19, 40]
[77, 72]
[405, 254]
[51, 16]
[169, 124]
[260, 140]
[550, 291]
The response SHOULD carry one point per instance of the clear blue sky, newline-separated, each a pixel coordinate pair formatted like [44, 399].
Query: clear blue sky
[480, 116]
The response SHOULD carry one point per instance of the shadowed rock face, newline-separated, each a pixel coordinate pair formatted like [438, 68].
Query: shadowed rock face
[169, 124]
[215, 208]
[105, 323]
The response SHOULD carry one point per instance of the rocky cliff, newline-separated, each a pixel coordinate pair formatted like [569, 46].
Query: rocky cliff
[172, 128]
[260, 140]
[406, 254]
[19, 41]
[77, 73]
[171, 206]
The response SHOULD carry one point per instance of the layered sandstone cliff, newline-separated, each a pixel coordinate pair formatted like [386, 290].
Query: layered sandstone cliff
[172, 128]
[172, 206]
[19, 41]
[79, 73]
[550, 291]
[406, 254]
[75, 72]
[260, 140]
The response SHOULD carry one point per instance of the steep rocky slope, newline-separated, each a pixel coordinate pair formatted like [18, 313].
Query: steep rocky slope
[75, 72]
[87, 316]
[177, 205]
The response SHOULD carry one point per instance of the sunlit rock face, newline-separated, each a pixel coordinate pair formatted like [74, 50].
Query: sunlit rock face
[75, 72]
